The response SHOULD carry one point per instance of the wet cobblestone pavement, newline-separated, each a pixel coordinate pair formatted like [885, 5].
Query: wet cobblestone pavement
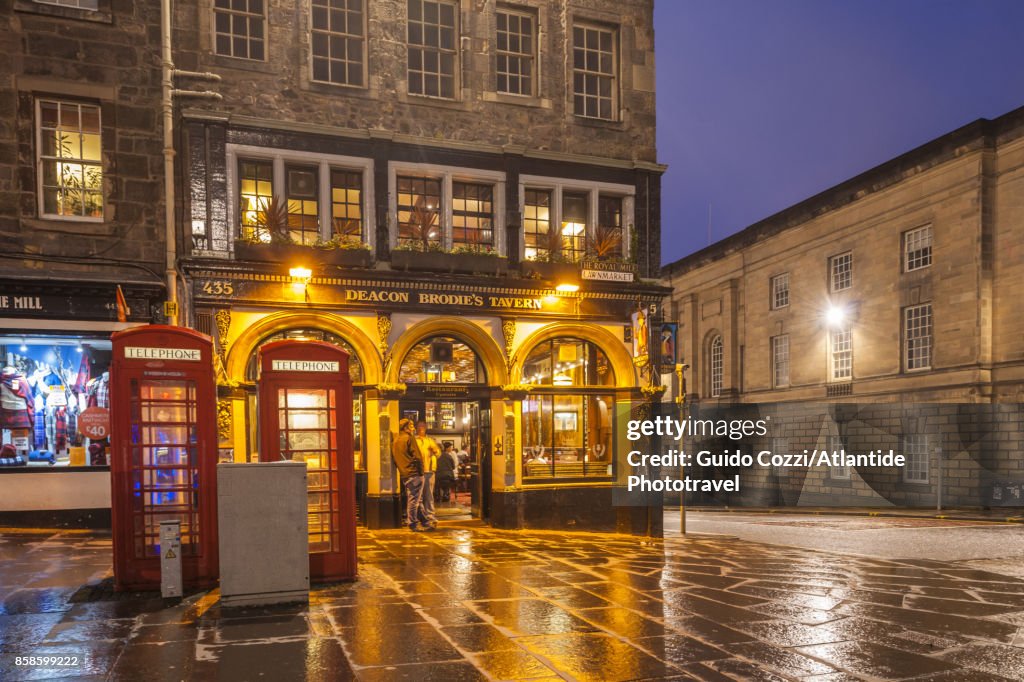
[474, 603]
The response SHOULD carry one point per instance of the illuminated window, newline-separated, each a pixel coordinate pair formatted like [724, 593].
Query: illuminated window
[608, 237]
[338, 41]
[780, 291]
[303, 206]
[346, 206]
[917, 337]
[419, 212]
[594, 72]
[255, 194]
[537, 224]
[717, 366]
[515, 51]
[574, 226]
[432, 49]
[567, 362]
[70, 160]
[239, 28]
[780, 361]
[841, 354]
[472, 216]
[442, 360]
[840, 269]
[917, 248]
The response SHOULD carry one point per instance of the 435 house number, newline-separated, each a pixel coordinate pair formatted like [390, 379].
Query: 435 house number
[218, 287]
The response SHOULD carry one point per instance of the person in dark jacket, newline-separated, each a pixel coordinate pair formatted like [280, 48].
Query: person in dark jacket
[447, 464]
[410, 470]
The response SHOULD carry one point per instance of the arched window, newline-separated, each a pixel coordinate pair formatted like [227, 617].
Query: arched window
[568, 419]
[442, 360]
[716, 363]
[355, 367]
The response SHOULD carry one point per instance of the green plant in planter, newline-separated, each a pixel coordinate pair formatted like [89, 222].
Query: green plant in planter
[422, 230]
[605, 243]
[551, 243]
[475, 251]
[270, 226]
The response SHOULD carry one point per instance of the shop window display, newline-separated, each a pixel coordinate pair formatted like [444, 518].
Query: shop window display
[568, 425]
[442, 360]
[54, 397]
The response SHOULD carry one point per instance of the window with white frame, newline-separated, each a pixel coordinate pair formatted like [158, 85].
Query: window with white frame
[915, 449]
[566, 220]
[338, 41]
[446, 208]
[239, 28]
[432, 48]
[717, 365]
[840, 270]
[834, 445]
[516, 46]
[841, 354]
[69, 159]
[91, 5]
[917, 248]
[780, 291]
[594, 69]
[303, 198]
[917, 337]
[780, 361]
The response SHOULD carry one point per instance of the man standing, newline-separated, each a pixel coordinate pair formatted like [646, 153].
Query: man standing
[410, 470]
[428, 450]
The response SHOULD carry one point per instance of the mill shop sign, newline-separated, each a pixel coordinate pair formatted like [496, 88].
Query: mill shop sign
[20, 303]
[607, 272]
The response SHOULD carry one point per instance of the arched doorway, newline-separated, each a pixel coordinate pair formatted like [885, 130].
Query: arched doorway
[447, 396]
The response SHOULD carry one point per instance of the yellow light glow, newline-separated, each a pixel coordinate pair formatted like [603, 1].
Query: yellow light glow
[567, 288]
[301, 273]
[835, 316]
[573, 229]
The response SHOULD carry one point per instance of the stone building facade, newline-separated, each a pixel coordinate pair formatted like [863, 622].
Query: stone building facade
[881, 313]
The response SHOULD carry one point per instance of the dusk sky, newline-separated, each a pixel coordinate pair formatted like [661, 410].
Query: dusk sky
[764, 103]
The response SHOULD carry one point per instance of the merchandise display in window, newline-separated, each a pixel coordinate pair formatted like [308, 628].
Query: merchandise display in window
[54, 397]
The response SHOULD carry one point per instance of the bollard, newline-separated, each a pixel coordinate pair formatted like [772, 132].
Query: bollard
[170, 559]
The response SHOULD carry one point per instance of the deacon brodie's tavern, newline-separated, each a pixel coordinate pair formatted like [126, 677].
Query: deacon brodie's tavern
[464, 196]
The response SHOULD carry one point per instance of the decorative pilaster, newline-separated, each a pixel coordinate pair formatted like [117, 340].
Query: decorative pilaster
[508, 331]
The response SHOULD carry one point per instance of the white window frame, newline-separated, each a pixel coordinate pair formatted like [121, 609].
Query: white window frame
[834, 354]
[615, 74]
[847, 274]
[917, 450]
[834, 444]
[230, 12]
[447, 175]
[780, 288]
[40, 160]
[557, 186]
[533, 15]
[366, 49]
[325, 162]
[778, 344]
[716, 365]
[456, 50]
[919, 263]
[930, 336]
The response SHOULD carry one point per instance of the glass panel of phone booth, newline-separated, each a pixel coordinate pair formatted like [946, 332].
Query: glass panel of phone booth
[309, 433]
[165, 467]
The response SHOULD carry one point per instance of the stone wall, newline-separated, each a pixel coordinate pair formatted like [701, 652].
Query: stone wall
[109, 57]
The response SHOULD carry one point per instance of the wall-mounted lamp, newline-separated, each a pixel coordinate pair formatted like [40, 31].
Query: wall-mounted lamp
[835, 316]
[567, 287]
[300, 278]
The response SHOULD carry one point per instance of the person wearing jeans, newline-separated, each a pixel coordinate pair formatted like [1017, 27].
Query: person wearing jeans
[410, 470]
[428, 451]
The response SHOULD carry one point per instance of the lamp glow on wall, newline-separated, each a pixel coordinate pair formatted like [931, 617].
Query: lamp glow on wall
[835, 316]
[300, 278]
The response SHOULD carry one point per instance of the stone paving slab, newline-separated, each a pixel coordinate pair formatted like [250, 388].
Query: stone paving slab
[481, 604]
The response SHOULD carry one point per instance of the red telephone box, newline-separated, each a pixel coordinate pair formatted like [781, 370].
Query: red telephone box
[305, 405]
[163, 453]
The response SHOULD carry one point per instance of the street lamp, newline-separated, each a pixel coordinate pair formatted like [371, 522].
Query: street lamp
[835, 316]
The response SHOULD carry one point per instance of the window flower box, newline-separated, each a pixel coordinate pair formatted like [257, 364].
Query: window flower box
[292, 254]
[440, 261]
[553, 271]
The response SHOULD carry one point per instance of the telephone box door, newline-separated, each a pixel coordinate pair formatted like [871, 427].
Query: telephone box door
[164, 456]
[305, 405]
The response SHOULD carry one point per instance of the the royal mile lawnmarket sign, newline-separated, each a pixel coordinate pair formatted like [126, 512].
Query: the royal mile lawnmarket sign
[607, 272]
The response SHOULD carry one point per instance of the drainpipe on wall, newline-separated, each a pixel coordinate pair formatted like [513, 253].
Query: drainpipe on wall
[168, 93]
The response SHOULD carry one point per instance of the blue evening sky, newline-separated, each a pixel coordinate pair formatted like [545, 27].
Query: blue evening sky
[763, 103]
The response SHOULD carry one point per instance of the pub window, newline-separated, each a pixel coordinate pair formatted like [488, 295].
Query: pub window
[716, 363]
[442, 360]
[472, 216]
[69, 156]
[574, 226]
[917, 337]
[841, 354]
[256, 192]
[840, 272]
[537, 224]
[780, 361]
[432, 53]
[346, 206]
[780, 291]
[419, 212]
[338, 41]
[608, 237]
[915, 449]
[568, 425]
[239, 28]
[303, 205]
[515, 51]
[917, 248]
[594, 67]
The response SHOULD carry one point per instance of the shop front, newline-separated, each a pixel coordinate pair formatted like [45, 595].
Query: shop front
[55, 357]
[523, 389]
